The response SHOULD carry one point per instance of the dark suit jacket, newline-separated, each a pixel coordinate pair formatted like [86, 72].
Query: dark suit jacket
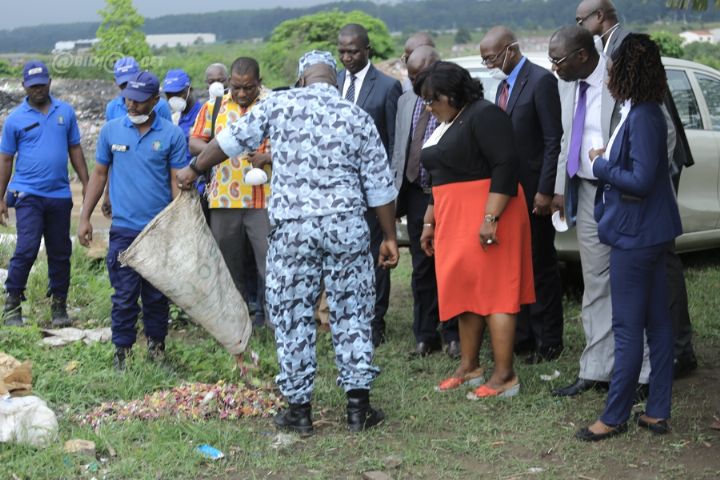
[635, 206]
[534, 108]
[378, 97]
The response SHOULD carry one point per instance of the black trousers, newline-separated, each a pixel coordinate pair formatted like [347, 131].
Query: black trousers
[540, 325]
[382, 276]
[413, 202]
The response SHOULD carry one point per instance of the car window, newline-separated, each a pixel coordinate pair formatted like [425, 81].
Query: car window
[684, 99]
[710, 87]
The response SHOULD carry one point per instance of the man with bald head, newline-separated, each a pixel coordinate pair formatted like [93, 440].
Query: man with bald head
[414, 125]
[529, 95]
[418, 39]
[600, 18]
[587, 109]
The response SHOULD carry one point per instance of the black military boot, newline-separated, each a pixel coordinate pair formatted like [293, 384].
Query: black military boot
[296, 418]
[156, 350]
[12, 313]
[58, 311]
[121, 353]
[360, 415]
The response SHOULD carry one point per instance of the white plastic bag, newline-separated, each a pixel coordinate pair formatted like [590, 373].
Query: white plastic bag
[177, 253]
[27, 420]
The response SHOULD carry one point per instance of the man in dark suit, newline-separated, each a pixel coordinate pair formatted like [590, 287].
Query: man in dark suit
[377, 94]
[600, 18]
[413, 126]
[529, 94]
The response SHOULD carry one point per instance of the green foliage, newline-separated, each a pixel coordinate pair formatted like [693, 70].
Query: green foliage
[120, 34]
[670, 44]
[703, 52]
[7, 70]
[700, 5]
[292, 38]
[463, 36]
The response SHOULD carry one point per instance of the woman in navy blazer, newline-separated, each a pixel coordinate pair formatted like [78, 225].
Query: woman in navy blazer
[638, 217]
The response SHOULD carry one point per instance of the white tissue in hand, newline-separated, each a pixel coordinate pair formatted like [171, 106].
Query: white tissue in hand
[256, 176]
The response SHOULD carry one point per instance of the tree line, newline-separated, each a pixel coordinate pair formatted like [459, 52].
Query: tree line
[404, 17]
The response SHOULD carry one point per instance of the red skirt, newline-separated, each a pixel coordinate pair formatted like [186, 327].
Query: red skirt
[470, 279]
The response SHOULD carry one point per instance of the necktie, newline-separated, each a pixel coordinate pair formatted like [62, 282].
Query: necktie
[350, 94]
[412, 170]
[504, 95]
[578, 127]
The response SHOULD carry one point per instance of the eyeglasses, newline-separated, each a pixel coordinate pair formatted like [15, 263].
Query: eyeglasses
[428, 102]
[558, 62]
[581, 20]
[493, 58]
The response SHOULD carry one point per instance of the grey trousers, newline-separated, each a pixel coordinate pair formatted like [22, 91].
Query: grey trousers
[598, 358]
[231, 227]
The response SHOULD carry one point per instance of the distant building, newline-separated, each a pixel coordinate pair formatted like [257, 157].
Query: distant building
[708, 36]
[155, 41]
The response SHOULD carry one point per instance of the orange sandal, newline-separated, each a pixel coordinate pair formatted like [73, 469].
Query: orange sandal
[484, 391]
[474, 378]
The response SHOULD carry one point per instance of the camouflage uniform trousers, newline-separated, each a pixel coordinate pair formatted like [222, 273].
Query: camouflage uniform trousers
[335, 249]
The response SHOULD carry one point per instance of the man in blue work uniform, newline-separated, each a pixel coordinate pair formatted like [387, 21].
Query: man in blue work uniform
[42, 131]
[144, 151]
[181, 98]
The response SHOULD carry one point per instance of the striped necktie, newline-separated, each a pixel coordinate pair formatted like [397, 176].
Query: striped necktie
[350, 94]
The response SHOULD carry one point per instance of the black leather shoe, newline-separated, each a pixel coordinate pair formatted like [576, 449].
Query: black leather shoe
[296, 418]
[659, 428]
[423, 349]
[58, 312]
[545, 354]
[360, 415]
[524, 347]
[156, 350]
[581, 385]
[453, 349]
[12, 312]
[684, 365]
[586, 435]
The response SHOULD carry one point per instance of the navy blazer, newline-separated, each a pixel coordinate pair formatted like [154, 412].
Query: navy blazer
[534, 108]
[378, 97]
[635, 206]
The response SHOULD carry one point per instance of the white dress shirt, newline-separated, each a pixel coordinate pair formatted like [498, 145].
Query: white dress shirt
[359, 78]
[593, 133]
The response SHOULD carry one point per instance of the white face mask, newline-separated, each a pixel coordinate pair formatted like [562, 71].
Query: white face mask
[138, 119]
[216, 89]
[177, 104]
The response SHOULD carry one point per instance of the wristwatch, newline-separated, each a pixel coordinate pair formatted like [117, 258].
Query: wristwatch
[490, 218]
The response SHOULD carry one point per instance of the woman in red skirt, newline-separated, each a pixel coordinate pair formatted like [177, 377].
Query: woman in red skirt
[477, 225]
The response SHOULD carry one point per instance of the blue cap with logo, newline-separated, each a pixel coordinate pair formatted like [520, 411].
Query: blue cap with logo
[175, 81]
[315, 57]
[35, 73]
[125, 69]
[141, 87]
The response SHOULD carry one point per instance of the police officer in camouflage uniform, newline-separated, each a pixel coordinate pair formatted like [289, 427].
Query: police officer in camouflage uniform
[329, 167]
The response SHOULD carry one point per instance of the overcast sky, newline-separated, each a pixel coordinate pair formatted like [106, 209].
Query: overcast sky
[17, 14]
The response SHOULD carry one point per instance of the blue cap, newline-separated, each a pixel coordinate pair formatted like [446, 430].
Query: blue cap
[141, 87]
[175, 81]
[315, 57]
[125, 69]
[35, 73]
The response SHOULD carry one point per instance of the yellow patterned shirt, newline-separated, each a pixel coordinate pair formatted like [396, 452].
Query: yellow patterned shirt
[227, 187]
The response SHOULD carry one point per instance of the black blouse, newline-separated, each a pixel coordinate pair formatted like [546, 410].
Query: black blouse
[479, 144]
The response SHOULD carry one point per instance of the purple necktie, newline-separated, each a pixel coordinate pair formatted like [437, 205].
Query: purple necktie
[578, 127]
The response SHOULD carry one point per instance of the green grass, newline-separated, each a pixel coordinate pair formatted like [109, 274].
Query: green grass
[431, 435]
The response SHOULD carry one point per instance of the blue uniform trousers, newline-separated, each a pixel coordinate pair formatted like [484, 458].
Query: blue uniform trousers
[129, 286]
[638, 283]
[336, 250]
[39, 217]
